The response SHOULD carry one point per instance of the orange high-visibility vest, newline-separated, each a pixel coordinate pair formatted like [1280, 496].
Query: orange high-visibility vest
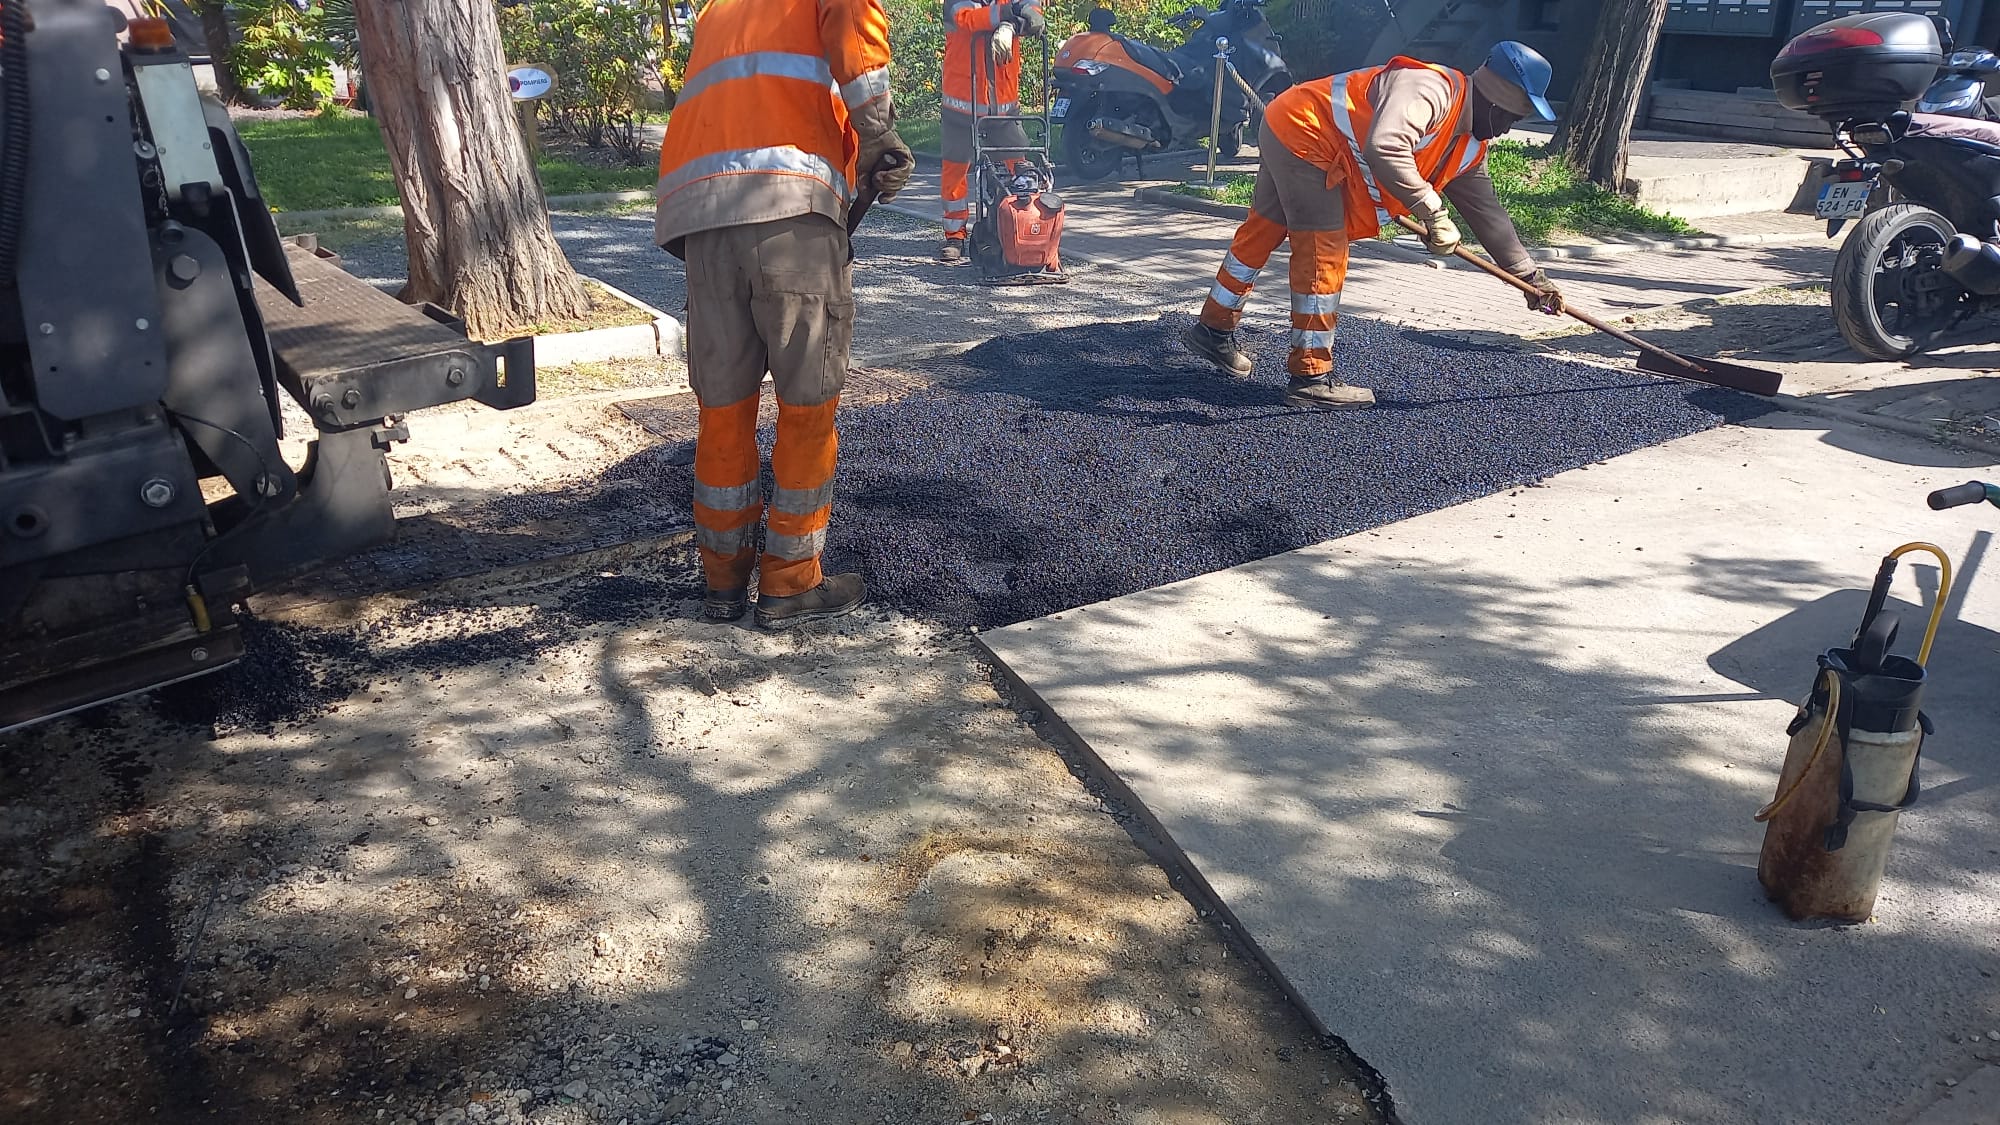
[1327, 121]
[761, 129]
[973, 83]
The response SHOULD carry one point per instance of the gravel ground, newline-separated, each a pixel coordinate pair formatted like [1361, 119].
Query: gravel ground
[533, 846]
[558, 854]
[1037, 473]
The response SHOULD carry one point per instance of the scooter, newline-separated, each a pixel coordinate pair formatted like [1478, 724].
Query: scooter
[1960, 90]
[1119, 97]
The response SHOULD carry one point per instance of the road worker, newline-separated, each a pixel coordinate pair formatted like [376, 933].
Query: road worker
[785, 102]
[982, 77]
[1341, 157]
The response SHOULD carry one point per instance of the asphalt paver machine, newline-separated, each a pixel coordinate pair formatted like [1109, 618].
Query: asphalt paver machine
[150, 318]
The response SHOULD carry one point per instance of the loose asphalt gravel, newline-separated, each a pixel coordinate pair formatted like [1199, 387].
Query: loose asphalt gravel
[1037, 473]
[1082, 454]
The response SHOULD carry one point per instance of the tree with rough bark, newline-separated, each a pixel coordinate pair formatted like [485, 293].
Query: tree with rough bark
[1596, 132]
[475, 219]
[221, 39]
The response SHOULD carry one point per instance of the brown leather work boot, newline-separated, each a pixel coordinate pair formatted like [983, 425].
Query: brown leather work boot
[953, 252]
[1327, 393]
[721, 606]
[1218, 348]
[835, 596]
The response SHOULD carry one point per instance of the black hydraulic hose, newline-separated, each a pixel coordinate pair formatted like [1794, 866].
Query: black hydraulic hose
[14, 138]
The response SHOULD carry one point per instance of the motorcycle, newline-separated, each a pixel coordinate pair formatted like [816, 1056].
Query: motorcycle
[1117, 97]
[1918, 267]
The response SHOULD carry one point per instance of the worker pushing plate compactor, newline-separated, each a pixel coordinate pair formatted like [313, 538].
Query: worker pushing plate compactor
[149, 317]
[1017, 217]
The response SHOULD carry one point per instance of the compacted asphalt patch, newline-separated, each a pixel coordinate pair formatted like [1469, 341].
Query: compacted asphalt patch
[1040, 472]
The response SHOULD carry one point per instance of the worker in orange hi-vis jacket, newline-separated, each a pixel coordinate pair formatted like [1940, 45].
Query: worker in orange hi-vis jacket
[982, 78]
[785, 107]
[1341, 158]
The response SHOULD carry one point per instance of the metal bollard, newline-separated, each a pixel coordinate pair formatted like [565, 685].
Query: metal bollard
[1215, 113]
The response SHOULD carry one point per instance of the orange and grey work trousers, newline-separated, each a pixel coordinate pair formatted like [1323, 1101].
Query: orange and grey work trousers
[774, 297]
[955, 138]
[1292, 198]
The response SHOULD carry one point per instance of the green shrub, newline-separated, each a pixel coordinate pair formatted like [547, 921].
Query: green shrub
[605, 57]
[284, 52]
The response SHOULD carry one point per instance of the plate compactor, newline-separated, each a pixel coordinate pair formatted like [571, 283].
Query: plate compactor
[1017, 217]
[150, 316]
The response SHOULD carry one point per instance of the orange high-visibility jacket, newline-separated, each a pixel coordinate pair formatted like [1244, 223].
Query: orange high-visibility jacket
[973, 83]
[1327, 121]
[769, 118]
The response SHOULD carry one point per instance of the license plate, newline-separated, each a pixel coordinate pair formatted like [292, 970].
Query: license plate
[1060, 108]
[1843, 200]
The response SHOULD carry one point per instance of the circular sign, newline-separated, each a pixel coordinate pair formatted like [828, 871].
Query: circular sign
[526, 83]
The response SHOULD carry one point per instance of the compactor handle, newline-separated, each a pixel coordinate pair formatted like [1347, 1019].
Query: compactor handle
[1959, 495]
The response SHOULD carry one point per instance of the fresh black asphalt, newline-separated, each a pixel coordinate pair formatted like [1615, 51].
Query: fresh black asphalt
[1041, 472]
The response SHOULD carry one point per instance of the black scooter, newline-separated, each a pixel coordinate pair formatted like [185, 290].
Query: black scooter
[1960, 90]
[1119, 97]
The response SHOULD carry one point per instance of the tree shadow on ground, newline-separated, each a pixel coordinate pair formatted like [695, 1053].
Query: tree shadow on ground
[1489, 831]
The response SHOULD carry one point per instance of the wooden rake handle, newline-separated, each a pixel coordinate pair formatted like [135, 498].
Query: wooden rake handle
[1481, 262]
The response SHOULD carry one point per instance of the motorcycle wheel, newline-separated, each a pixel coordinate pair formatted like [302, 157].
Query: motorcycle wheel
[1088, 158]
[1891, 295]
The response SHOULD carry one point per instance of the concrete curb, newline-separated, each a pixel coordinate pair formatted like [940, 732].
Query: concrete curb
[663, 337]
[1164, 197]
[1970, 443]
[592, 199]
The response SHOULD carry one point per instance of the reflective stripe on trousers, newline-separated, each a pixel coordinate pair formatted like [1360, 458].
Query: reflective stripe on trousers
[1249, 251]
[726, 516]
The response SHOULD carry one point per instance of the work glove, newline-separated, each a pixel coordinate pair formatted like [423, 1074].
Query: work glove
[1441, 235]
[1003, 44]
[1028, 14]
[888, 159]
[1551, 299]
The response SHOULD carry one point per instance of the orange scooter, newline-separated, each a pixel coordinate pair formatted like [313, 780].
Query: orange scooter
[1117, 97]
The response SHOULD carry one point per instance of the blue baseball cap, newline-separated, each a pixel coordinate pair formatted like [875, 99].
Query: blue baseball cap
[1524, 68]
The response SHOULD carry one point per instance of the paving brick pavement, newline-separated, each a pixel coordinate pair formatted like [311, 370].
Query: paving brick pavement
[1105, 224]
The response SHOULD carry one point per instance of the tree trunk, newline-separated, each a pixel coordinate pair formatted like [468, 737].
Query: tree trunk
[1597, 124]
[221, 48]
[474, 216]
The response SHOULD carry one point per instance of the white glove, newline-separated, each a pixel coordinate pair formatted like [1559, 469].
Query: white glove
[1003, 43]
[1441, 235]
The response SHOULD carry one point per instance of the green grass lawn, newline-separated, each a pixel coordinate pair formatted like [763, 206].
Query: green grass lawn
[1546, 196]
[920, 133]
[337, 160]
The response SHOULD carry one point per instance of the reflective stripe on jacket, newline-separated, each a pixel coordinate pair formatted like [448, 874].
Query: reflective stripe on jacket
[973, 83]
[1328, 122]
[765, 124]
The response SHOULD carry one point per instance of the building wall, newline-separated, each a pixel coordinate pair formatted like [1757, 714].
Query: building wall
[1326, 36]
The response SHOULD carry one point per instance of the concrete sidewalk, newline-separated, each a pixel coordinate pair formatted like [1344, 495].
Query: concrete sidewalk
[1479, 784]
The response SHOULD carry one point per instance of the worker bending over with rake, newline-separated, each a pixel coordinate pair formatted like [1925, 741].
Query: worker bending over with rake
[1342, 157]
[784, 104]
[982, 78]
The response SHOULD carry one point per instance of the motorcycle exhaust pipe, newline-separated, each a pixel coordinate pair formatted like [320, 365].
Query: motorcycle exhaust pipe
[1974, 264]
[1141, 137]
